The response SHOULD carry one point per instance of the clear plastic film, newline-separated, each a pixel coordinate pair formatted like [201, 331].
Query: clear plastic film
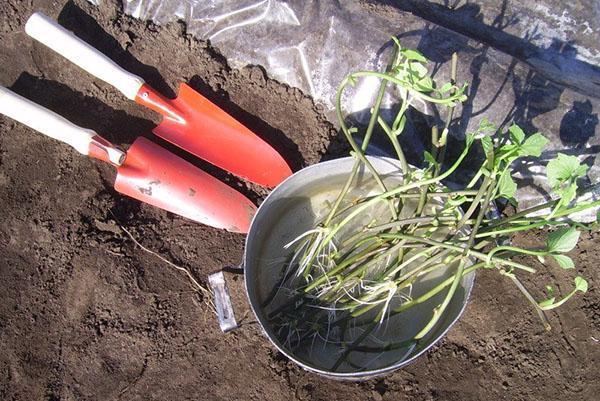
[313, 45]
[310, 45]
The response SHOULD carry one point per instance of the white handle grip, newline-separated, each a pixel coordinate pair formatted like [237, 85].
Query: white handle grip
[45, 121]
[65, 43]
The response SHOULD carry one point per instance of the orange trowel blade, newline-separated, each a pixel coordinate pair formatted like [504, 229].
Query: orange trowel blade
[154, 175]
[195, 124]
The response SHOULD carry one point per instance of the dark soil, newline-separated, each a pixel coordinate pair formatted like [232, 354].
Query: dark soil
[86, 314]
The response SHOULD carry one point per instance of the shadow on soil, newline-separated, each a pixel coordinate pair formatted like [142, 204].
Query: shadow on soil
[86, 28]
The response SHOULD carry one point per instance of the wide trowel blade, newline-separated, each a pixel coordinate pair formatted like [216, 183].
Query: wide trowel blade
[154, 175]
[213, 135]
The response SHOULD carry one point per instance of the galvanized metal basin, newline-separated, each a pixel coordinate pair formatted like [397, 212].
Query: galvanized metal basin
[291, 209]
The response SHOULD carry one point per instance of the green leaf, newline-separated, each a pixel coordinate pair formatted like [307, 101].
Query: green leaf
[487, 145]
[568, 194]
[413, 55]
[401, 124]
[507, 187]
[564, 168]
[581, 284]
[399, 72]
[565, 196]
[459, 200]
[562, 240]
[425, 84]
[533, 145]
[469, 138]
[550, 300]
[485, 125]
[429, 158]
[547, 302]
[516, 134]
[446, 87]
[506, 153]
[463, 88]
[564, 261]
[418, 71]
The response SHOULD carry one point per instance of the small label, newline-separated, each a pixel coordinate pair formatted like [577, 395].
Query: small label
[222, 300]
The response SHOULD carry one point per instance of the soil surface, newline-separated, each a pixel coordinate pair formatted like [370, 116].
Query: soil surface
[86, 314]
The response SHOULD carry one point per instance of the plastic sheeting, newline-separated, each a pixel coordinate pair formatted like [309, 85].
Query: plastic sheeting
[312, 45]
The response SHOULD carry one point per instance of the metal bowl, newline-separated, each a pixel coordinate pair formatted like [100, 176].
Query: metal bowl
[291, 209]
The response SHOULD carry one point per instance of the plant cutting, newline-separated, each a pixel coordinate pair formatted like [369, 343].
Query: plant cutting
[359, 266]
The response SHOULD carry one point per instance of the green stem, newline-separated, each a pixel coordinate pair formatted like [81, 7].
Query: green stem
[438, 311]
[487, 183]
[427, 267]
[340, 268]
[441, 308]
[354, 246]
[477, 175]
[413, 220]
[442, 152]
[435, 290]
[366, 139]
[435, 136]
[576, 209]
[396, 144]
[455, 97]
[531, 300]
[512, 229]
[386, 347]
[418, 255]
[478, 255]
[517, 250]
[403, 108]
[359, 209]
[523, 213]
[356, 342]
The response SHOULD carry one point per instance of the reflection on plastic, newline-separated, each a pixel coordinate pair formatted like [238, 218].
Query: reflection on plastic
[313, 45]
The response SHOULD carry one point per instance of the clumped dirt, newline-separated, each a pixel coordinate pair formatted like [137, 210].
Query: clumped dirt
[86, 314]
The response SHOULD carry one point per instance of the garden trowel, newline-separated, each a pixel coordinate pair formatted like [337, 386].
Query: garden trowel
[146, 172]
[190, 121]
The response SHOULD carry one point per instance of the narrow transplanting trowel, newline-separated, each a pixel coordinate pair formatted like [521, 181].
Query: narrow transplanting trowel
[190, 121]
[146, 172]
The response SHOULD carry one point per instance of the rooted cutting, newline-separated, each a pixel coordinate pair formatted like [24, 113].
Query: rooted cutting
[355, 269]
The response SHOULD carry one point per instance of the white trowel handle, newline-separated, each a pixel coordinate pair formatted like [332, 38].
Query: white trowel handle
[51, 124]
[64, 42]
